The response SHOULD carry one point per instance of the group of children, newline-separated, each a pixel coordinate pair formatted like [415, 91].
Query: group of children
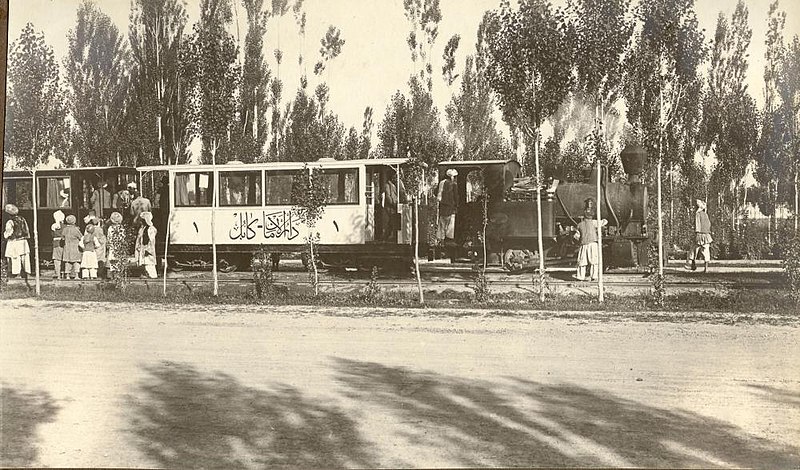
[88, 254]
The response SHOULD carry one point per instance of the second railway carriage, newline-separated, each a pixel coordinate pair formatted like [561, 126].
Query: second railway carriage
[252, 206]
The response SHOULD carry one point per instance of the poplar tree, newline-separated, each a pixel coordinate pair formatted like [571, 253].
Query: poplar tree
[35, 126]
[730, 119]
[529, 66]
[97, 65]
[660, 69]
[157, 116]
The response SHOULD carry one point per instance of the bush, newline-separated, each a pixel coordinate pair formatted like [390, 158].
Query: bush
[3, 272]
[481, 286]
[791, 266]
[263, 279]
[372, 294]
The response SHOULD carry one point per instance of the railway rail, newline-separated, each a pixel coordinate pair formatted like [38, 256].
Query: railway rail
[451, 277]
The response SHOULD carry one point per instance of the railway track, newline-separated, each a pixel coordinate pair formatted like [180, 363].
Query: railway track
[461, 277]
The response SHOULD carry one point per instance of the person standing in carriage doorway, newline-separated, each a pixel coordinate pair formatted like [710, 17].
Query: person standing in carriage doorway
[101, 199]
[122, 199]
[448, 205]
[702, 234]
[392, 193]
[18, 252]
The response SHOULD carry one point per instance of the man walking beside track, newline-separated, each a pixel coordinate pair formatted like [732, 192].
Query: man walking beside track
[702, 229]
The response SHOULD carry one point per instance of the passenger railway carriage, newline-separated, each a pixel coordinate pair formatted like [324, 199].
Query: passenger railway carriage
[253, 207]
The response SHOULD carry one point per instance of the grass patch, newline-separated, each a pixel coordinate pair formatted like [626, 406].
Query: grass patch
[768, 301]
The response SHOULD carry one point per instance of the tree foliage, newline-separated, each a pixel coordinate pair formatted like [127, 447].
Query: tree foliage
[312, 132]
[601, 32]
[35, 113]
[97, 65]
[159, 91]
[209, 59]
[411, 127]
[529, 62]
[249, 138]
[471, 121]
[664, 60]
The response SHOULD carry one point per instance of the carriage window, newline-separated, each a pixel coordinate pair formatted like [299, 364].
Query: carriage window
[193, 189]
[54, 192]
[240, 188]
[342, 186]
[18, 192]
[279, 188]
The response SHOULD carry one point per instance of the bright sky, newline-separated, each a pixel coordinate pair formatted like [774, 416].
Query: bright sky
[375, 61]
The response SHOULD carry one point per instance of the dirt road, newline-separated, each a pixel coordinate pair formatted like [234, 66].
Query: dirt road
[103, 385]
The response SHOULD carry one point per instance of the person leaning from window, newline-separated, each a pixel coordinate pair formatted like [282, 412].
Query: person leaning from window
[448, 205]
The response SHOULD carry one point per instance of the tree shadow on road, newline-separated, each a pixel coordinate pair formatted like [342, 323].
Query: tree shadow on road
[21, 412]
[777, 395]
[188, 419]
[524, 423]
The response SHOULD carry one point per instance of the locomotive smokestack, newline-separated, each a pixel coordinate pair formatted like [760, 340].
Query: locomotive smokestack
[633, 158]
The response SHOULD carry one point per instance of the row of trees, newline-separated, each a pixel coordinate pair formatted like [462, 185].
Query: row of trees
[593, 58]
[143, 98]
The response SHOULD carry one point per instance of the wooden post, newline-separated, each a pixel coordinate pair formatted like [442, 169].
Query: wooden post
[35, 238]
[167, 228]
[539, 215]
[214, 203]
[600, 296]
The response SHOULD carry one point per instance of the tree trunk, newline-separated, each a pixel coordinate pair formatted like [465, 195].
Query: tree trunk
[796, 196]
[600, 296]
[660, 217]
[416, 250]
[313, 264]
[539, 215]
[166, 241]
[160, 141]
[671, 205]
[215, 203]
[38, 281]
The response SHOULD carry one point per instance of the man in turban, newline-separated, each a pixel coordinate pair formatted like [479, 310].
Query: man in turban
[18, 252]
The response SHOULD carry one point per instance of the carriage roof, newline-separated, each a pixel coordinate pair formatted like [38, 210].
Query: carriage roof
[237, 166]
[61, 171]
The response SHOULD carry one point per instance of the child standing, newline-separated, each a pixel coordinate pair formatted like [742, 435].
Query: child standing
[587, 234]
[72, 254]
[89, 260]
[146, 245]
[102, 241]
[58, 242]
